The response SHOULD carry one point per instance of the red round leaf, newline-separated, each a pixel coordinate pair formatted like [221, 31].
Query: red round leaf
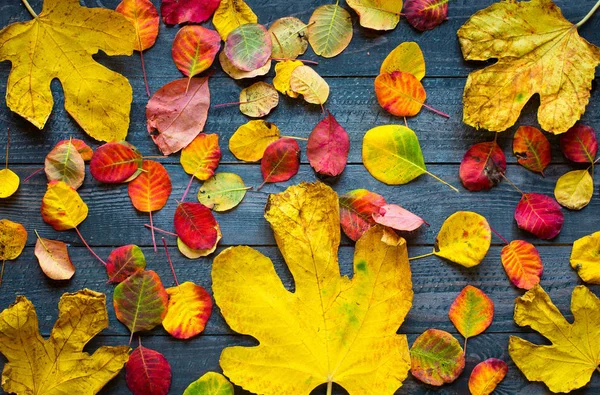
[579, 144]
[114, 163]
[482, 166]
[356, 211]
[195, 225]
[540, 215]
[532, 149]
[150, 191]
[147, 372]
[181, 11]
[194, 49]
[280, 161]
[328, 147]
[123, 262]
[425, 14]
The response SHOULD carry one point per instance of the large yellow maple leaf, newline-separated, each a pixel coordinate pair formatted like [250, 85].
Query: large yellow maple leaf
[58, 366]
[59, 43]
[569, 362]
[538, 52]
[330, 328]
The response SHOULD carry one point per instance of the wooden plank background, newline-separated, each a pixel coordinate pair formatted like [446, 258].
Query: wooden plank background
[113, 221]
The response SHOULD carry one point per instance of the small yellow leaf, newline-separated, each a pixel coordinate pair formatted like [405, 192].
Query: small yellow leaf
[232, 14]
[575, 189]
[258, 99]
[62, 207]
[250, 141]
[585, 258]
[465, 238]
[283, 75]
[377, 14]
[406, 57]
[9, 183]
[310, 84]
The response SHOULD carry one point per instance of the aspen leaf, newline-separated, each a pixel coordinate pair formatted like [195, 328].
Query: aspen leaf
[425, 14]
[283, 75]
[189, 310]
[210, 383]
[585, 258]
[250, 140]
[195, 225]
[177, 113]
[54, 259]
[532, 149]
[64, 163]
[97, 98]
[328, 147]
[222, 192]
[540, 215]
[329, 30]
[465, 238]
[574, 190]
[486, 376]
[248, 46]
[182, 11]
[194, 49]
[13, 238]
[9, 183]
[230, 15]
[144, 17]
[115, 162]
[62, 207]
[400, 93]
[342, 329]
[84, 150]
[407, 58]
[289, 37]
[258, 99]
[201, 157]
[199, 253]
[60, 366]
[471, 312]
[579, 144]
[538, 52]
[357, 211]
[308, 83]
[574, 354]
[522, 263]
[436, 358]
[238, 74]
[377, 14]
[147, 372]
[398, 218]
[483, 166]
[281, 161]
[123, 262]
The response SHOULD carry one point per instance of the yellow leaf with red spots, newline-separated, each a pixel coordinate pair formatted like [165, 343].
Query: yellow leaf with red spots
[465, 238]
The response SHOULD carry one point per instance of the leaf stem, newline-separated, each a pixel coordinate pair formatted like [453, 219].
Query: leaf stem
[329, 387]
[442, 181]
[166, 232]
[295, 138]
[88, 247]
[33, 174]
[7, 146]
[144, 73]
[170, 261]
[443, 114]
[512, 184]
[465, 346]
[152, 229]
[405, 122]
[589, 15]
[2, 272]
[31, 11]
[300, 60]
[187, 189]
[421, 256]
[499, 235]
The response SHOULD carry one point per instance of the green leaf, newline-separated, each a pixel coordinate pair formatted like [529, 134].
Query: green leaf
[210, 383]
[222, 192]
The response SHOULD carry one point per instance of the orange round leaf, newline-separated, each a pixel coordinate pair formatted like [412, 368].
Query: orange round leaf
[522, 263]
[471, 312]
[189, 310]
[486, 376]
[202, 156]
[532, 149]
[144, 17]
[151, 189]
[194, 49]
[400, 93]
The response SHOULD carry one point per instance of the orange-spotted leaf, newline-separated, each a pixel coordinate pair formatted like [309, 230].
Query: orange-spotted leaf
[189, 310]
[140, 301]
[195, 225]
[248, 47]
[194, 49]
[202, 156]
[150, 191]
[84, 150]
[64, 163]
[177, 112]
[147, 372]
[471, 312]
[522, 263]
[123, 262]
[540, 215]
[580, 144]
[62, 207]
[436, 358]
[406, 57]
[400, 93]
[425, 14]
[144, 17]
[281, 161]
[532, 149]
[182, 11]
[328, 146]
[486, 376]
[289, 38]
[114, 163]
[357, 209]
[483, 166]
[54, 259]
[399, 218]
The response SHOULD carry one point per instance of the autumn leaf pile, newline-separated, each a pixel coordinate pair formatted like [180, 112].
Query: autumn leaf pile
[332, 327]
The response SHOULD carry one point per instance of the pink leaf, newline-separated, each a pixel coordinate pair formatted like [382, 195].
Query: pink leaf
[328, 147]
[398, 218]
[540, 215]
[181, 11]
[482, 166]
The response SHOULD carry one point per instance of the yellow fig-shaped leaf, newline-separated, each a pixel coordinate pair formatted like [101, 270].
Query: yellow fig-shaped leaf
[250, 141]
[465, 238]
[258, 99]
[283, 75]
[307, 82]
[407, 58]
[575, 189]
[232, 14]
[585, 258]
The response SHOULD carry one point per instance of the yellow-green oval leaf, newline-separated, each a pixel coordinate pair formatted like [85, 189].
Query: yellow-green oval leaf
[258, 99]
[329, 30]
[222, 192]
[289, 37]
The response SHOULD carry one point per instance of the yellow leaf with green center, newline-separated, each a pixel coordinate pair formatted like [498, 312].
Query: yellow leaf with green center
[585, 258]
[210, 383]
[330, 329]
[465, 238]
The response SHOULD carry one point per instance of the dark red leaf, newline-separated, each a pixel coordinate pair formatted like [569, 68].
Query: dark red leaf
[540, 215]
[425, 14]
[114, 163]
[328, 147]
[196, 226]
[482, 166]
[579, 144]
[123, 262]
[280, 161]
[356, 211]
[181, 11]
[147, 372]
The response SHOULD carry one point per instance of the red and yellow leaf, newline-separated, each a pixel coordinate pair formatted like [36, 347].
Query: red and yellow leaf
[486, 376]
[189, 310]
[532, 149]
[281, 160]
[84, 150]
[144, 17]
[123, 262]
[540, 215]
[64, 163]
[194, 49]
[114, 163]
[425, 14]
[471, 312]
[182, 11]
[248, 46]
[195, 225]
[400, 93]
[357, 209]
[62, 207]
[328, 146]
[483, 166]
[580, 144]
[54, 259]
[195, 254]
[522, 263]
[399, 218]
[150, 191]
[436, 358]
[147, 372]
[201, 157]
